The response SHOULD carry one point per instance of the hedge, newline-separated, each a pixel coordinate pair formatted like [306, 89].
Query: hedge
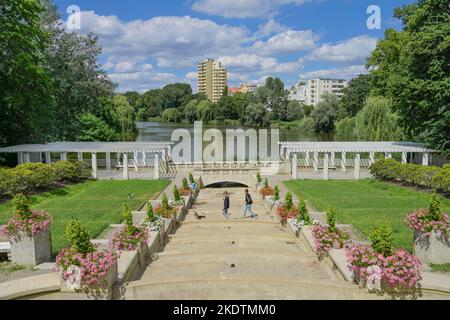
[425, 176]
[37, 176]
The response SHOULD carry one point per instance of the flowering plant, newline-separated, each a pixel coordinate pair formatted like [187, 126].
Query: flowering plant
[130, 236]
[431, 219]
[80, 264]
[88, 269]
[326, 239]
[286, 209]
[165, 209]
[398, 270]
[25, 220]
[152, 221]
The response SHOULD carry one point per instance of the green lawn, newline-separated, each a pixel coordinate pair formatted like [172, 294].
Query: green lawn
[96, 204]
[364, 203]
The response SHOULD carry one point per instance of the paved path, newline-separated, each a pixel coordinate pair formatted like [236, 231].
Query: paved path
[237, 259]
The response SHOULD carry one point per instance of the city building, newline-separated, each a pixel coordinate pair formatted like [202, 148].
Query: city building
[232, 91]
[317, 87]
[299, 93]
[248, 87]
[212, 79]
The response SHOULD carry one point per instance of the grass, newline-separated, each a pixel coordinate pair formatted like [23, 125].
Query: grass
[96, 204]
[441, 267]
[8, 267]
[365, 203]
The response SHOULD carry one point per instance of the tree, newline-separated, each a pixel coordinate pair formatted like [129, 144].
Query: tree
[25, 83]
[256, 115]
[91, 128]
[204, 111]
[171, 115]
[355, 95]
[226, 107]
[326, 113]
[346, 129]
[377, 122]
[294, 111]
[417, 73]
[176, 95]
[125, 118]
[190, 111]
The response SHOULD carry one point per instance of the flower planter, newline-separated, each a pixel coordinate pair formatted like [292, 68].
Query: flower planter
[142, 252]
[97, 292]
[296, 229]
[432, 249]
[31, 250]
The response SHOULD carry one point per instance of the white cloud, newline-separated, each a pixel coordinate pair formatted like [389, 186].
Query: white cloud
[269, 28]
[287, 42]
[141, 80]
[191, 76]
[241, 8]
[341, 73]
[354, 49]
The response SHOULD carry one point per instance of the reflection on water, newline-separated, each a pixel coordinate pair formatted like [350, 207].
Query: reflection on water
[161, 131]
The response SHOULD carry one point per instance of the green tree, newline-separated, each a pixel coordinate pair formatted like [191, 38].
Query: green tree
[294, 111]
[355, 95]
[204, 111]
[92, 128]
[25, 82]
[416, 69]
[125, 118]
[171, 115]
[326, 113]
[256, 115]
[376, 121]
[382, 239]
[346, 130]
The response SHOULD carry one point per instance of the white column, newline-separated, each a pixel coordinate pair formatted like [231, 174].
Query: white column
[48, 158]
[108, 161]
[357, 166]
[371, 158]
[333, 159]
[19, 157]
[316, 161]
[94, 165]
[426, 159]
[344, 161]
[294, 167]
[307, 158]
[63, 156]
[40, 157]
[388, 155]
[26, 157]
[125, 166]
[325, 166]
[404, 157]
[135, 158]
[156, 173]
[80, 156]
[144, 158]
[118, 158]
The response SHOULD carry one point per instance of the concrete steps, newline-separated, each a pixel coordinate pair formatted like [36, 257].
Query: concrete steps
[242, 259]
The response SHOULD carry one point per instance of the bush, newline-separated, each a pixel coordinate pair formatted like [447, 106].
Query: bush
[303, 214]
[78, 238]
[276, 193]
[382, 239]
[37, 176]
[191, 178]
[423, 176]
[331, 219]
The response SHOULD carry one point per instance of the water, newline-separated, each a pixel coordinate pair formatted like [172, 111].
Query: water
[161, 131]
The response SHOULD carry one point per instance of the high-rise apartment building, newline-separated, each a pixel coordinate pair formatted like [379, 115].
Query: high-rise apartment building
[317, 87]
[212, 79]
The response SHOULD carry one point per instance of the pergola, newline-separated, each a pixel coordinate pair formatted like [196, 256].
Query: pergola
[291, 150]
[145, 154]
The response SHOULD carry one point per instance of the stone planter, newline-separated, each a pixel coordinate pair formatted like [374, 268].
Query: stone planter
[292, 223]
[432, 249]
[31, 251]
[142, 252]
[96, 292]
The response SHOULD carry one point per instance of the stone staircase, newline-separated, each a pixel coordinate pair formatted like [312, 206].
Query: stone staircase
[242, 259]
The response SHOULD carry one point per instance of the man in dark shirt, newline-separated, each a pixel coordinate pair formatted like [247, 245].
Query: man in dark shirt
[248, 205]
[226, 205]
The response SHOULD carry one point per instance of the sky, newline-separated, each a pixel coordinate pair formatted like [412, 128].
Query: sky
[150, 43]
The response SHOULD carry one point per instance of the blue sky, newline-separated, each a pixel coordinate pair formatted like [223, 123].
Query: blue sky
[147, 44]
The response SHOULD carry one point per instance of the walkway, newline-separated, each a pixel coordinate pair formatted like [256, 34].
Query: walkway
[237, 259]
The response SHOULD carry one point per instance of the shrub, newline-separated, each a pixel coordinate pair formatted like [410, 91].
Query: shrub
[25, 220]
[176, 194]
[78, 238]
[191, 178]
[303, 214]
[185, 184]
[286, 209]
[382, 239]
[165, 210]
[424, 176]
[288, 203]
[151, 217]
[276, 193]
[67, 170]
[431, 219]
[331, 219]
[258, 177]
[36, 175]
[266, 183]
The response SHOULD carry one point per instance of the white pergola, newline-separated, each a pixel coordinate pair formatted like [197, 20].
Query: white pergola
[145, 154]
[291, 149]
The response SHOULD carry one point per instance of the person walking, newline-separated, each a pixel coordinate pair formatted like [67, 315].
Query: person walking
[226, 205]
[248, 205]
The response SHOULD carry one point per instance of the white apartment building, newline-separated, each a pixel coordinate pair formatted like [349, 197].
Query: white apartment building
[299, 93]
[212, 79]
[317, 87]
